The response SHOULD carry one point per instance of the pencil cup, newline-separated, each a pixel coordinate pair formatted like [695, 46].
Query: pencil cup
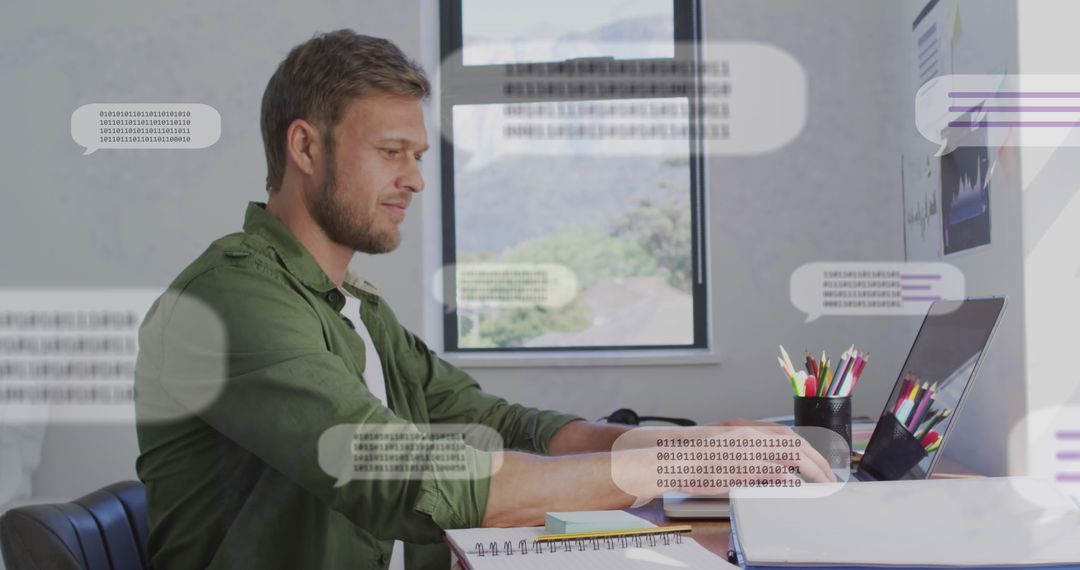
[832, 414]
[893, 451]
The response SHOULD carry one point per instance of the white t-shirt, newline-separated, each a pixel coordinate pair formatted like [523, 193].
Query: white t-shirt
[373, 370]
[376, 383]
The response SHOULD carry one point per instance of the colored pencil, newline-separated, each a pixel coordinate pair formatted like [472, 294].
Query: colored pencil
[916, 418]
[904, 412]
[841, 377]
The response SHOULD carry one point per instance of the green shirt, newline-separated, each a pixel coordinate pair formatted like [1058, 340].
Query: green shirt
[243, 363]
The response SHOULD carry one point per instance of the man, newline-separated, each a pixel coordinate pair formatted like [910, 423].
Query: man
[231, 418]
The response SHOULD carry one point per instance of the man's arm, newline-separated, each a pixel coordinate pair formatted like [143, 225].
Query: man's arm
[526, 487]
[279, 390]
[453, 396]
[581, 437]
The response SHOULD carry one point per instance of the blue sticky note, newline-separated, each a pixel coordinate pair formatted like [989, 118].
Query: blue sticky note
[593, 521]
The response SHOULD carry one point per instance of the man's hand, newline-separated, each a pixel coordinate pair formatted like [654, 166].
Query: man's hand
[527, 486]
[812, 454]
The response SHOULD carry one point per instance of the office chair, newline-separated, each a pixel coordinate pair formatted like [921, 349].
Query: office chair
[105, 530]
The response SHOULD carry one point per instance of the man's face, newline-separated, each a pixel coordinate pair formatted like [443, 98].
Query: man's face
[371, 172]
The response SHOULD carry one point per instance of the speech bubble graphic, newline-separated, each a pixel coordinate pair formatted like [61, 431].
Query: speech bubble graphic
[873, 288]
[483, 285]
[746, 98]
[188, 359]
[353, 452]
[1039, 110]
[1050, 441]
[145, 126]
[67, 355]
[713, 460]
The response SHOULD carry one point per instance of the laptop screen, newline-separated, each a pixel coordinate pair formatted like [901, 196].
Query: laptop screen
[931, 388]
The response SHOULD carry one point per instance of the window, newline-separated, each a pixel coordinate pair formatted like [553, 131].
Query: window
[571, 175]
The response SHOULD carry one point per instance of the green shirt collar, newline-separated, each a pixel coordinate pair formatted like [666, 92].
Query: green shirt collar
[296, 258]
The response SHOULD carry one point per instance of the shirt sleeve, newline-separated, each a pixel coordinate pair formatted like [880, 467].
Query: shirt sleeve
[247, 336]
[453, 396]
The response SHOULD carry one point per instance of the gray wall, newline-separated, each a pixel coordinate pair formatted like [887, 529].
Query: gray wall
[136, 217]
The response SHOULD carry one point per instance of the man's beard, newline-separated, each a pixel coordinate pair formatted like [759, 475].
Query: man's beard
[345, 226]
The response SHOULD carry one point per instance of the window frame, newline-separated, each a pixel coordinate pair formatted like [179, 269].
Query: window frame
[687, 43]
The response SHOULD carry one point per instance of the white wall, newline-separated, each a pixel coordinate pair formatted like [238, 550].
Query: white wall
[986, 45]
[1048, 46]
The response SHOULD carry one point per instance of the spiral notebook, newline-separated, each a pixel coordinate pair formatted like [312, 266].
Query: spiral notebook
[517, 548]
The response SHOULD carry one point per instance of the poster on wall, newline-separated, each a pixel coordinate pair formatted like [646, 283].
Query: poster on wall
[965, 190]
[934, 32]
[922, 206]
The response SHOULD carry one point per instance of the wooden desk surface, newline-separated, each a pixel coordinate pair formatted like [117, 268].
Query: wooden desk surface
[713, 534]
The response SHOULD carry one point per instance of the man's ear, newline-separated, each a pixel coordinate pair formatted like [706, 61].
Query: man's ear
[303, 146]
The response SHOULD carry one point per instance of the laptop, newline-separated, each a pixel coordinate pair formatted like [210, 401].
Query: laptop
[948, 350]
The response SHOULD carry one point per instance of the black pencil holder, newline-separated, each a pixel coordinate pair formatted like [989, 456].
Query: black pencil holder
[832, 414]
[893, 452]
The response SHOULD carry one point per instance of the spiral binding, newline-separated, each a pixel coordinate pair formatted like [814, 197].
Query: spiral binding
[523, 546]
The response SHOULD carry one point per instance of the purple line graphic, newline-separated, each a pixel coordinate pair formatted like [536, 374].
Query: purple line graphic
[1068, 455]
[1014, 94]
[915, 276]
[920, 298]
[1068, 477]
[1068, 435]
[1014, 109]
[1052, 124]
[915, 287]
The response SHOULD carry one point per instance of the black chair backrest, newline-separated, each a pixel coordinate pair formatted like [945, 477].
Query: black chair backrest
[105, 530]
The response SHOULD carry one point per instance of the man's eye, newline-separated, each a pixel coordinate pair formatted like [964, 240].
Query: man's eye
[419, 157]
[391, 152]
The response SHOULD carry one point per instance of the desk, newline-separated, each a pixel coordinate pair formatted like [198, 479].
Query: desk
[715, 534]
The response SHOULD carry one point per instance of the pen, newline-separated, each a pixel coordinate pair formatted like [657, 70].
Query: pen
[616, 533]
[787, 359]
[811, 386]
[811, 366]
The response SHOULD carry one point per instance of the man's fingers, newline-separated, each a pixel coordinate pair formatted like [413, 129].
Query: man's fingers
[815, 456]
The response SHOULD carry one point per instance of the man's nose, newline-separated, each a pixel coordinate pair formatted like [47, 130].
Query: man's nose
[411, 179]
